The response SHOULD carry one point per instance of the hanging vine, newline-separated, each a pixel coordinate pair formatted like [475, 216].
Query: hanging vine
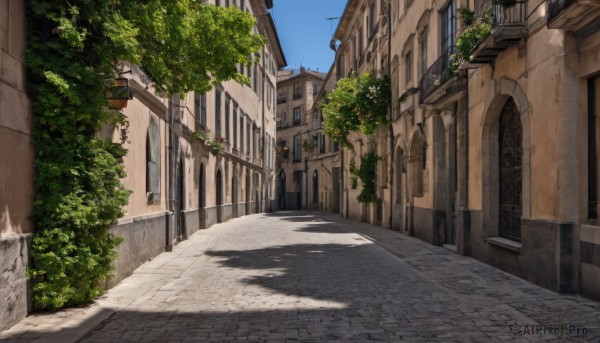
[184, 45]
[367, 174]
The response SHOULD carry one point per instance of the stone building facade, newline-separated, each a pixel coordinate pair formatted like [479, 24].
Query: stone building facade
[296, 93]
[497, 160]
[179, 184]
[16, 165]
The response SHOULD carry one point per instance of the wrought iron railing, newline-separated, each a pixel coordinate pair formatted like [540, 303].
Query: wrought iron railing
[437, 74]
[557, 6]
[504, 16]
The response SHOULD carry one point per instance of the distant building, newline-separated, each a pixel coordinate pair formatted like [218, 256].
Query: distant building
[296, 92]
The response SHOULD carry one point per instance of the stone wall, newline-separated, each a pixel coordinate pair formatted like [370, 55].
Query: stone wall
[145, 237]
[14, 290]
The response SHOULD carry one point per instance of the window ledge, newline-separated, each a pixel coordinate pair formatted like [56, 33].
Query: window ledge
[505, 243]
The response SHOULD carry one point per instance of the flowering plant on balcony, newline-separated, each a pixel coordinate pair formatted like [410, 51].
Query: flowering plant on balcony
[358, 103]
[220, 139]
[476, 30]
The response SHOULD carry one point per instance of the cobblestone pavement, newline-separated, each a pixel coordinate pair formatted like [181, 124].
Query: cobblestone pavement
[304, 277]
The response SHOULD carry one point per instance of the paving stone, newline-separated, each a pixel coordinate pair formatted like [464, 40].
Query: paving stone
[313, 277]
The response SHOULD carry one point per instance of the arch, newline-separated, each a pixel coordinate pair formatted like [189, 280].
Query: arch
[499, 95]
[417, 160]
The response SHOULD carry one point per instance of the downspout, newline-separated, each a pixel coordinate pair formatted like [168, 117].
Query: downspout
[171, 176]
[264, 154]
[390, 125]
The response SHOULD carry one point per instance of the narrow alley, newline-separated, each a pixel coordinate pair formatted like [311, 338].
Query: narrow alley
[308, 276]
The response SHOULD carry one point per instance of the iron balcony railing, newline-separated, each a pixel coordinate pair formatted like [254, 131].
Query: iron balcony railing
[557, 6]
[437, 74]
[504, 16]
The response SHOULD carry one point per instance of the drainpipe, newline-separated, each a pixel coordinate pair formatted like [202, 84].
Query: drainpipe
[171, 175]
[264, 150]
[390, 125]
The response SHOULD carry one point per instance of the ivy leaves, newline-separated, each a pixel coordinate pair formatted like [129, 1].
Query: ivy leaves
[356, 104]
[73, 47]
[367, 173]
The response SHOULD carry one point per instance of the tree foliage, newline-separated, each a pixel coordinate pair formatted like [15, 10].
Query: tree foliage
[73, 47]
[358, 103]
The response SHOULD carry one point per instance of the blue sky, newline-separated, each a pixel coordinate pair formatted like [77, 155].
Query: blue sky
[305, 33]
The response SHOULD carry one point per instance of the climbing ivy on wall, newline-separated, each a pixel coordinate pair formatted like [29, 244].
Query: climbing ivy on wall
[367, 173]
[73, 47]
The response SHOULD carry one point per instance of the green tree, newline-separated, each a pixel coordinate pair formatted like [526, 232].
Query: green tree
[73, 47]
[357, 103]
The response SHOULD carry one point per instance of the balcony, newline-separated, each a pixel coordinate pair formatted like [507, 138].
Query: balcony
[281, 99]
[509, 26]
[439, 82]
[572, 15]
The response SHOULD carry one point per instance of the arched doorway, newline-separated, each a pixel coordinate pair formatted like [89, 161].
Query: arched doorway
[219, 193]
[201, 196]
[201, 187]
[315, 190]
[180, 201]
[510, 154]
[282, 191]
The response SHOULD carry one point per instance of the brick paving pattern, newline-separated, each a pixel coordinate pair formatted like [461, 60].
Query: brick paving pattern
[313, 277]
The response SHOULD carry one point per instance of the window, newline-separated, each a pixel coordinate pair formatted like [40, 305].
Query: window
[282, 97]
[242, 147]
[372, 18]
[153, 162]
[340, 67]
[315, 88]
[408, 60]
[448, 26]
[218, 113]
[297, 91]
[423, 53]
[200, 108]
[234, 124]
[297, 149]
[336, 146]
[243, 5]
[218, 3]
[297, 117]
[227, 114]
[321, 140]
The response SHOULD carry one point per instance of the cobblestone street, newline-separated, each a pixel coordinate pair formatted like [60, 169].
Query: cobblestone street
[303, 276]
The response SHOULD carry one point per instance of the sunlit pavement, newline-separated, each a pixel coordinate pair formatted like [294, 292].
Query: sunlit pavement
[304, 277]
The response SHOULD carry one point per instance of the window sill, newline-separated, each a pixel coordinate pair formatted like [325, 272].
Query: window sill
[505, 243]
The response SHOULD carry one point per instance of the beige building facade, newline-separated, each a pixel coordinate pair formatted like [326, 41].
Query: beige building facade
[16, 165]
[298, 142]
[497, 160]
[179, 184]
